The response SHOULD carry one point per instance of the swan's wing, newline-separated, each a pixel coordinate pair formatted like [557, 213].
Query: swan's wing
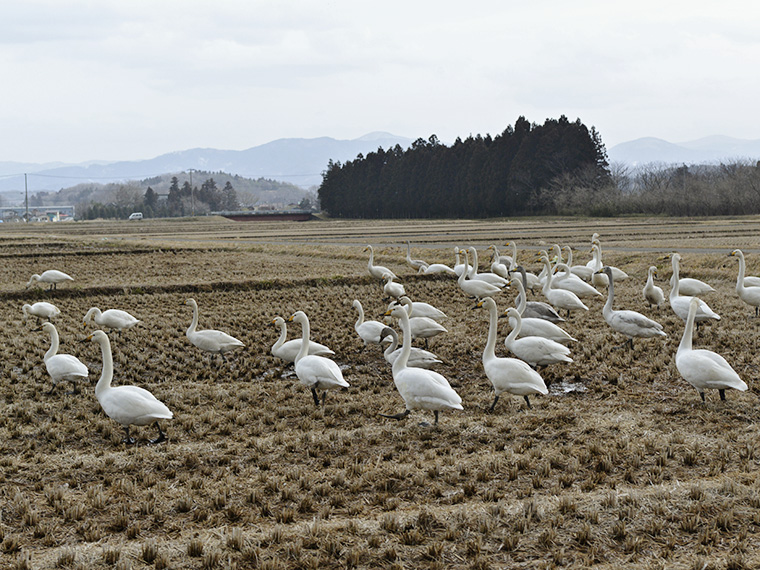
[133, 405]
[631, 321]
[213, 340]
[320, 371]
[706, 369]
[65, 366]
[426, 389]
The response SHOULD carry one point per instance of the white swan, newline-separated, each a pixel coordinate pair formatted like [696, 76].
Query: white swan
[510, 260]
[368, 331]
[680, 303]
[509, 375]
[536, 309]
[376, 271]
[629, 323]
[617, 274]
[560, 298]
[210, 340]
[421, 327]
[532, 326]
[458, 265]
[111, 318]
[421, 389]
[701, 368]
[570, 282]
[475, 287]
[418, 357]
[535, 350]
[498, 267]
[127, 405]
[62, 366]
[652, 293]
[582, 271]
[391, 288]
[51, 276]
[491, 278]
[413, 263]
[433, 268]
[687, 285]
[288, 350]
[422, 309]
[41, 310]
[315, 372]
[750, 295]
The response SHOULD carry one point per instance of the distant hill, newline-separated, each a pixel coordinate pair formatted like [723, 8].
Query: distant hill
[298, 161]
[712, 149]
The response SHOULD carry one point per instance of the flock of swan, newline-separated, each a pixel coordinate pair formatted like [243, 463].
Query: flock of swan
[536, 339]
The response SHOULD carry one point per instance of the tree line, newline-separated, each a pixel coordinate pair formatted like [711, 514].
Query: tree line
[518, 172]
[184, 200]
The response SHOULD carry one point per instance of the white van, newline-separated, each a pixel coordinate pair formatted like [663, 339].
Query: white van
[135, 216]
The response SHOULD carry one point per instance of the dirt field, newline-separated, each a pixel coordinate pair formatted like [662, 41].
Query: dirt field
[620, 466]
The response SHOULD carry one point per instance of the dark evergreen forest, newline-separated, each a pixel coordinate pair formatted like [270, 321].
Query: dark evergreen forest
[522, 171]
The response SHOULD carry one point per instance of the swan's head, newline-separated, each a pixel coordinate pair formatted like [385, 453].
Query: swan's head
[387, 277]
[404, 300]
[388, 332]
[278, 321]
[488, 303]
[607, 270]
[26, 308]
[191, 302]
[367, 248]
[737, 253]
[653, 270]
[512, 313]
[32, 279]
[397, 311]
[299, 317]
[98, 336]
[357, 304]
[48, 328]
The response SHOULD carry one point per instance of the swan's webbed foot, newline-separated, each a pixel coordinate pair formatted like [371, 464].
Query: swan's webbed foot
[128, 439]
[399, 416]
[161, 435]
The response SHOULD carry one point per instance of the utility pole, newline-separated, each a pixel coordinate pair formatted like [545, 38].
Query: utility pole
[26, 199]
[192, 192]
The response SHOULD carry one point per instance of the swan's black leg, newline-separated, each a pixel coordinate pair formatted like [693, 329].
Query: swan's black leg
[722, 394]
[128, 439]
[527, 401]
[51, 389]
[435, 413]
[399, 416]
[495, 399]
[703, 396]
[324, 395]
[314, 394]
[161, 435]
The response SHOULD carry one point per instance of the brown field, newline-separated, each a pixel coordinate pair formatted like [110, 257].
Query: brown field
[620, 466]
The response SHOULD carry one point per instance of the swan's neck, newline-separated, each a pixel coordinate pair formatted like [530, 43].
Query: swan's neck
[513, 245]
[191, 328]
[489, 352]
[305, 333]
[92, 313]
[406, 346]
[360, 319]
[569, 257]
[740, 279]
[548, 282]
[515, 331]
[371, 261]
[392, 346]
[104, 383]
[53, 350]
[521, 300]
[688, 330]
[283, 336]
[474, 266]
[408, 251]
[610, 296]
[463, 275]
[674, 280]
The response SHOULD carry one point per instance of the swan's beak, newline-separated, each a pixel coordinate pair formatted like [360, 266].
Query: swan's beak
[503, 315]
[85, 339]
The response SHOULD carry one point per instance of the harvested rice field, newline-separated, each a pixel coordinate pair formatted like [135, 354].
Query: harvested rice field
[621, 465]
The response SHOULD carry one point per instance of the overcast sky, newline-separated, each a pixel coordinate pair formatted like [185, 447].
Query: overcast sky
[131, 79]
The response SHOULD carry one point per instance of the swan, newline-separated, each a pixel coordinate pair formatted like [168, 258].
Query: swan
[680, 303]
[421, 389]
[111, 318]
[535, 350]
[288, 350]
[434, 268]
[51, 276]
[701, 368]
[418, 357]
[532, 326]
[391, 288]
[422, 327]
[536, 309]
[62, 366]
[582, 271]
[475, 287]
[560, 298]
[41, 310]
[413, 263]
[629, 323]
[750, 295]
[368, 331]
[315, 372]
[491, 278]
[458, 265]
[687, 285]
[210, 340]
[509, 260]
[652, 293]
[617, 274]
[509, 375]
[376, 271]
[497, 267]
[127, 405]
[570, 282]
[421, 309]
